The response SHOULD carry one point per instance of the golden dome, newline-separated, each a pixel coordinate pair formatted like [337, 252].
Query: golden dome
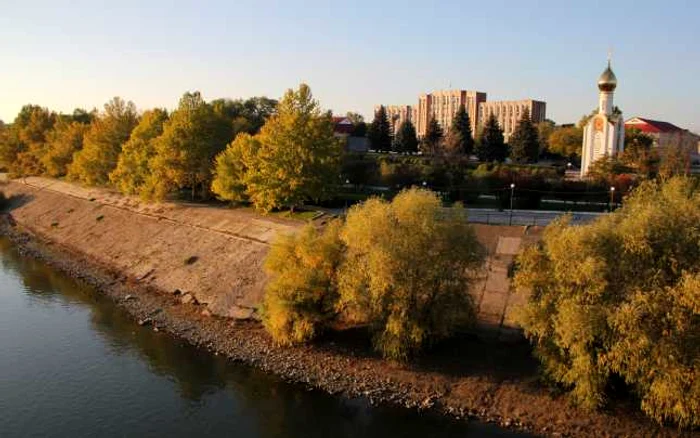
[607, 80]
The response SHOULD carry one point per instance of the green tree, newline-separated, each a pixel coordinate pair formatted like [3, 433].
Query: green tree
[195, 133]
[524, 142]
[296, 157]
[491, 145]
[132, 171]
[432, 141]
[63, 142]
[407, 270]
[566, 142]
[406, 140]
[379, 131]
[459, 139]
[544, 130]
[638, 153]
[301, 297]
[231, 168]
[103, 143]
[619, 296]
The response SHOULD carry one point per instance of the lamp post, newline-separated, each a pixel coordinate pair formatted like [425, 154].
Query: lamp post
[512, 193]
[425, 184]
[612, 198]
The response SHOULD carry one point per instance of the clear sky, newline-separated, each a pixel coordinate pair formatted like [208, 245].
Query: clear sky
[353, 54]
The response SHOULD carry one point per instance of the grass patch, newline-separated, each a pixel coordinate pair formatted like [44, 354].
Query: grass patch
[302, 215]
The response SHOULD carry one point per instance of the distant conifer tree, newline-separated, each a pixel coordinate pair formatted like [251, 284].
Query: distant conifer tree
[491, 146]
[379, 131]
[406, 139]
[524, 142]
[432, 142]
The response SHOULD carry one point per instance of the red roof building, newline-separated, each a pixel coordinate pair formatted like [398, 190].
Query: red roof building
[665, 133]
[342, 125]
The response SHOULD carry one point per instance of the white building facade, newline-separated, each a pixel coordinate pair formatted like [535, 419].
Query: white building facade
[604, 134]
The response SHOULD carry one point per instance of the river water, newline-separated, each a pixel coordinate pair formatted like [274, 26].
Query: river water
[73, 364]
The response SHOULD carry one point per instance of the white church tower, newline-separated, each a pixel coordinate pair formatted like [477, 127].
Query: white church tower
[604, 134]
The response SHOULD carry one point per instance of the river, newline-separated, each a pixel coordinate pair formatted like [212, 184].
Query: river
[73, 364]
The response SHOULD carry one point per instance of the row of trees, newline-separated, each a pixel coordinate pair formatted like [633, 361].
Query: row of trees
[281, 155]
[524, 144]
[403, 268]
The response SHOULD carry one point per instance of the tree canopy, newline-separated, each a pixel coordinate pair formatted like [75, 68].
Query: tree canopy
[379, 131]
[294, 158]
[406, 140]
[133, 167]
[524, 142]
[459, 139]
[103, 142]
[491, 145]
[566, 142]
[195, 133]
[620, 297]
[432, 141]
[403, 267]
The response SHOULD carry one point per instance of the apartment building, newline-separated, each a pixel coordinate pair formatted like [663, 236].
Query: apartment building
[397, 114]
[509, 112]
[443, 106]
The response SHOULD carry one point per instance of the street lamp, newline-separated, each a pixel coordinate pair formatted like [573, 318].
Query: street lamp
[425, 184]
[612, 197]
[512, 192]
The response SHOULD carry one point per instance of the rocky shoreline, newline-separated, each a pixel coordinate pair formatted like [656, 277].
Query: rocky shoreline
[334, 368]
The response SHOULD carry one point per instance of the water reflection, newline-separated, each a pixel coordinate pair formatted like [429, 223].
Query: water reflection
[113, 377]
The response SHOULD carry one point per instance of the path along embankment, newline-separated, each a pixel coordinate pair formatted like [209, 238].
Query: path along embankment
[174, 265]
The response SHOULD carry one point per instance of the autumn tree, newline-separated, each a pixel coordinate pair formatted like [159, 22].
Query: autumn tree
[432, 141]
[132, 171]
[193, 135]
[459, 138]
[231, 170]
[25, 142]
[619, 297]
[566, 142]
[379, 131]
[103, 143]
[64, 141]
[296, 157]
[405, 140]
[407, 270]
[544, 130]
[639, 153]
[302, 294]
[491, 145]
[524, 142]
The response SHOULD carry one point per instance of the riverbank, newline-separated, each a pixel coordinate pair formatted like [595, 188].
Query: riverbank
[466, 378]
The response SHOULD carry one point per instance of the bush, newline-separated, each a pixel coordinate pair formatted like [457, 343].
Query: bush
[407, 270]
[620, 297]
[301, 297]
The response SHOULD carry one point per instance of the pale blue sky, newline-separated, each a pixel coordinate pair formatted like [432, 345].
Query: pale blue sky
[353, 54]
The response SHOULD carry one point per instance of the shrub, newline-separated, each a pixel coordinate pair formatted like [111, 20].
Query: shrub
[300, 298]
[620, 297]
[407, 270]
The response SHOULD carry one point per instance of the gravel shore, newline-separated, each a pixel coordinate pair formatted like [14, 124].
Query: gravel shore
[340, 368]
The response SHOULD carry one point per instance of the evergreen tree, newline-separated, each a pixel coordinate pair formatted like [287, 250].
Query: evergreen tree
[432, 142]
[459, 139]
[379, 132]
[406, 139]
[491, 146]
[524, 143]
